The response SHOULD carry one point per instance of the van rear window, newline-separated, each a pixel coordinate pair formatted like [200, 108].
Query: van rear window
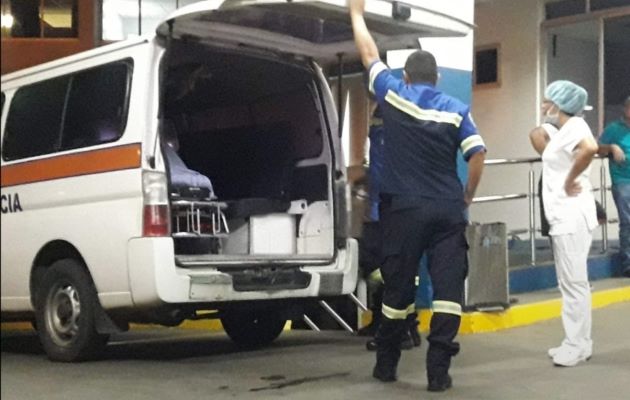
[79, 110]
[97, 107]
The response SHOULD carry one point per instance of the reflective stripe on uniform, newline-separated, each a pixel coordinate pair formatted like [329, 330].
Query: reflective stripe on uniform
[417, 282]
[376, 69]
[393, 313]
[446, 307]
[470, 142]
[412, 109]
[376, 276]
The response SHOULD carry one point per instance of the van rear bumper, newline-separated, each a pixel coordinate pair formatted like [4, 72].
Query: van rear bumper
[154, 278]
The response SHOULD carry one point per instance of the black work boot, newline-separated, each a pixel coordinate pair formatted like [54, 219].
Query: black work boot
[407, 342]
[386, 365]
[440, 383]
[368, 330]
[388, 340]
[414, 335]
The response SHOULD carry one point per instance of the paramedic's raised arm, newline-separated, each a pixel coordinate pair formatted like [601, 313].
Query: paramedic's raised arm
[362, 37]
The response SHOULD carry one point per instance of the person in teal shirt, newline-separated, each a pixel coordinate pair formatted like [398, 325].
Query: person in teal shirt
[615, 143]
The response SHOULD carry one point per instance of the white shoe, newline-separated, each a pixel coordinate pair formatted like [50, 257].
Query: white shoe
[553, 351]
[569, 356]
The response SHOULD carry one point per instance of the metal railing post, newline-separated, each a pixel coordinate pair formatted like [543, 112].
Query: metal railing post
[532, 214]
[603, 196]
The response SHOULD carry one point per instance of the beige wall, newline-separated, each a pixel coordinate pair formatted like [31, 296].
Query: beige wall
[505, 114]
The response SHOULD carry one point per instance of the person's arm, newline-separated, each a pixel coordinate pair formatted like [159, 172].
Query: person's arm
[586, 150]
[615, 150]
[539, 139]
[475, 168]
[608, 146]
[473, 150]
[362, 37]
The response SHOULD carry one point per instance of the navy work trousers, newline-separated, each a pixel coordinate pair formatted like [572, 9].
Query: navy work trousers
[411, 227]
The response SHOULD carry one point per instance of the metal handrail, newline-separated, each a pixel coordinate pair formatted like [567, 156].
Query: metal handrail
[531, 195]
[508, 161]
[489, 199]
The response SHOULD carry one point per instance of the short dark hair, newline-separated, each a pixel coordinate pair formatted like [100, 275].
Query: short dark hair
[421, 67]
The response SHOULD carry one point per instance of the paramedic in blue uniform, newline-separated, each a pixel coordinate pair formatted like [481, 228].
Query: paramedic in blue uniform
[423, 202]
[372, 238]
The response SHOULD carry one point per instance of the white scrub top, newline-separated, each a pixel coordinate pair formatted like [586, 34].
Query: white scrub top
[562, 211]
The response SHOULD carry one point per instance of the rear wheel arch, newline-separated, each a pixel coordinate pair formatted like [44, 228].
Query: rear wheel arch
[49, 254]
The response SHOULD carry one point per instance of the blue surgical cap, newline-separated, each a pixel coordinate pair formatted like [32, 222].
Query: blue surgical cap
[569, 97]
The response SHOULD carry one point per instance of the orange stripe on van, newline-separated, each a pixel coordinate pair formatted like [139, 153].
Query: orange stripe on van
[69, 165]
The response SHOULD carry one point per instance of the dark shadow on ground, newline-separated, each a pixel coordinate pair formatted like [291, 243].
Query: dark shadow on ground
[169, 345]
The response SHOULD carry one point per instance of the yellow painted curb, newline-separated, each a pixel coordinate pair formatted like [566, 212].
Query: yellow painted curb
[521, 315]
[16, 326]
[527, 314]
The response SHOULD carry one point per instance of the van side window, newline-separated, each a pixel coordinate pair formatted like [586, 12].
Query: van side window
[34, 122]
[79, 110]
[97, 106]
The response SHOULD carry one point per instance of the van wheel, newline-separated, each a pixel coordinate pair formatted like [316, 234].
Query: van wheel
[252, 328]
[65, 313]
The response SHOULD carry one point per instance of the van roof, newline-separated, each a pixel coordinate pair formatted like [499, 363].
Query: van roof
[76, 57]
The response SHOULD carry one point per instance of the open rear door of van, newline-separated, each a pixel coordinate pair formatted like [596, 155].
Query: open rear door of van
[317, 29]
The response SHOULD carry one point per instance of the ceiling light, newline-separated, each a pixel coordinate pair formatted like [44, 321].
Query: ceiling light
[6, 21]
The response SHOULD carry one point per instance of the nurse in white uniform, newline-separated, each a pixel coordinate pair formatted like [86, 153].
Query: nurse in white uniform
[567, 147]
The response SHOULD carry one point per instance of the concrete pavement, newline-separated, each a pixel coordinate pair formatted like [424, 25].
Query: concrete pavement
[176, 363]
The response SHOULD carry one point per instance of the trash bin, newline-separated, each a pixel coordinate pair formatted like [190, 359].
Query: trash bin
[487, 286]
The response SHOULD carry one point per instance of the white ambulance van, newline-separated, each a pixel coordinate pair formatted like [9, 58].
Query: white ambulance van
[196, 169]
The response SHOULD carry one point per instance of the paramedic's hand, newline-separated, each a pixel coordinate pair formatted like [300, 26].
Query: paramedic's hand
[356, 6]
[617, 153]
[572, 188]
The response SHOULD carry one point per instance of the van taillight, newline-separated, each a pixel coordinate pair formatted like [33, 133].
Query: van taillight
[156, 220]
[156, 213]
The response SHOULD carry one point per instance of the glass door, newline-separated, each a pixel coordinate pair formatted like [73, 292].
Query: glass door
[616, 66]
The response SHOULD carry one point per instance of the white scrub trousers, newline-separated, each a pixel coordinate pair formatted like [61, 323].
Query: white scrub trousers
[571, 254]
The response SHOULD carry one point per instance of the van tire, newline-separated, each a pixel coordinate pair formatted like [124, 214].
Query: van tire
[65, 313]
[252, 328]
